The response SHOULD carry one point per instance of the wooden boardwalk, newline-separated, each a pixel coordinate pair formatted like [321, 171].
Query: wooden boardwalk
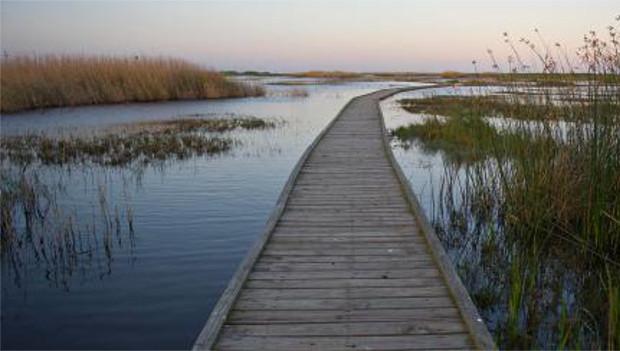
[347, 261]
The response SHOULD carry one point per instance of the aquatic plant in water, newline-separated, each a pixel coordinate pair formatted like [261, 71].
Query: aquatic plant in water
[145, 142]
[532, 218]
[36, 230]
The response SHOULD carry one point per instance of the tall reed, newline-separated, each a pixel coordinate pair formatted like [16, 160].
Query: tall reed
[30, 82]
[534, 215]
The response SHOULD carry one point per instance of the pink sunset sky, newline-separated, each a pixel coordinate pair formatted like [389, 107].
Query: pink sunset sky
[416, 35]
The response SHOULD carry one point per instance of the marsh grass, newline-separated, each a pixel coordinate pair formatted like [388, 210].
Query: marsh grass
[452, 75]
[293, 92]
[30, 82]
[533, 218]
[328, 74]
[543, 106]
[548, 79]
[195, 123]
[297, 92]
[467, 139]
[143, 142]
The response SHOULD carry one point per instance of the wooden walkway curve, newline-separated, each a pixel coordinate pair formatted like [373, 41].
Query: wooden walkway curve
[347, 261]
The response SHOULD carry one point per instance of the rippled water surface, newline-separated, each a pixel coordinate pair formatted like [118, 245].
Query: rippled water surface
[176, 231]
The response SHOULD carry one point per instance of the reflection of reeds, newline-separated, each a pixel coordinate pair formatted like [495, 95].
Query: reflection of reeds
[533, 222]
[36, 231]
[49, 81]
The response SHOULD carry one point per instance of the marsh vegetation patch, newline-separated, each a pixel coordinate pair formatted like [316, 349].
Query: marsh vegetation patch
[145, 142]
[528, 207]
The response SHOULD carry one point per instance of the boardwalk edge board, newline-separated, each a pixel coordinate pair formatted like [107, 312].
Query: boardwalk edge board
[469, 312]
[474, 324]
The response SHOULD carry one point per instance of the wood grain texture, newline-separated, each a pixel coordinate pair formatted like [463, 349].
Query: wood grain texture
[345, 261]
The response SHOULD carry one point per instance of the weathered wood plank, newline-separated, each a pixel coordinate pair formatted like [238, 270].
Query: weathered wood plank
[348, 252]
[351, 247]
[344, 304]
[356, 250]
[234, 341]
[330, 316]
[340, 224]
[348, 237]
[350, 259]
[348, 274]
[371, 240]
[412, 327]
[351, 231]
[386, 343]
[343, 293]
[323, 266]
[343, 283]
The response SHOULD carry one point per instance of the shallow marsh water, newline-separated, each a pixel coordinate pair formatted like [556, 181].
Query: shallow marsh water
[550, 300]
[192, 222]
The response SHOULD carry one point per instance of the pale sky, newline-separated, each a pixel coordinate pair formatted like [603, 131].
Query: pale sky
[295, 35]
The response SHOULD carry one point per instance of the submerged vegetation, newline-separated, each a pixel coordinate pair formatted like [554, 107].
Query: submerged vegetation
[55, 81]
[37, 228]
[37, 231]
[146, 142]
[532, 219]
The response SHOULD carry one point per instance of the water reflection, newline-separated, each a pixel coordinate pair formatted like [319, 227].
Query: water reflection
[39, 236]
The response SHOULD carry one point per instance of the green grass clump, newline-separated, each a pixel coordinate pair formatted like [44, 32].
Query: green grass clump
[461, 139]
[467, 138]
[516, 106]
[55, 81]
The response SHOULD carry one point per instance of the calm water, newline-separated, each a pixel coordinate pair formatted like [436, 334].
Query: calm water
[193, 221]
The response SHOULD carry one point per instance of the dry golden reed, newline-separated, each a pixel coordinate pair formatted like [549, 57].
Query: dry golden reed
[53, 81]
